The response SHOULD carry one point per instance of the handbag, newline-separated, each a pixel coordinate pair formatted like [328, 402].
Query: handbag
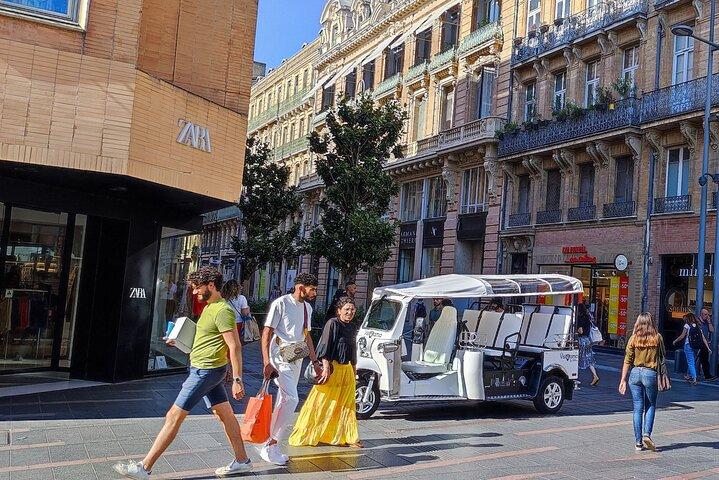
[298, 350]
[255, 426]
[250, 330]
[663, 383]
[595, 335]
[311, 376]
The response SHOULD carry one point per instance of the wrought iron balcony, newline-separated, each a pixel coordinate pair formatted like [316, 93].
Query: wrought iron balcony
[549, 216]
[320, 117]
[578, 214]
[566, 31]
[387, 86]
[484, 34]
[264, 117]
[292, 102]
[309, 182]
[625, 113]
[618, 210]
[478, 129]
[443, 59]
[678, 99]
[416, 72]
[680, 203]
[291, 148]
[519, 219]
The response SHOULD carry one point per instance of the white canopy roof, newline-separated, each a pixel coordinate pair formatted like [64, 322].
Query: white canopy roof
[471, 286]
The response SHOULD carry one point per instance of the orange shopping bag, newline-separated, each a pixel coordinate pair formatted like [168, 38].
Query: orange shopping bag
[255, 426]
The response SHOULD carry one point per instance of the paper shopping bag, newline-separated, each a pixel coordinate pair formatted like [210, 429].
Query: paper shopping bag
[255, 426]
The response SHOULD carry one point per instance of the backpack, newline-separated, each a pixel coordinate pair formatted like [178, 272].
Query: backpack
[695, 337]
[420, 311]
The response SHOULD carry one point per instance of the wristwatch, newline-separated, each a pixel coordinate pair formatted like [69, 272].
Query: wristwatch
[315, 361]
[237, 380]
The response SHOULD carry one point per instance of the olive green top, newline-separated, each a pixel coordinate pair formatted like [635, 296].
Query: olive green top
[642, 356]
[209, 349]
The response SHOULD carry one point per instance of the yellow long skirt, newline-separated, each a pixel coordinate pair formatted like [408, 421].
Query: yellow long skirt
[329, 414]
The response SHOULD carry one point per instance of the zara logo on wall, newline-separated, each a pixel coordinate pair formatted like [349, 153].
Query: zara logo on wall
[194, 135]
[137, 292]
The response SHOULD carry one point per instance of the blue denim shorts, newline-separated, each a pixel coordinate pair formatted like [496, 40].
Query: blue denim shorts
[203, 384]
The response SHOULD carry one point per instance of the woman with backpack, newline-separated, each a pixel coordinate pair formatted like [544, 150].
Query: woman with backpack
[693, 341]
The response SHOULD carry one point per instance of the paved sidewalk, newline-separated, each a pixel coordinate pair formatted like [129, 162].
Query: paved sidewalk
[79, 434]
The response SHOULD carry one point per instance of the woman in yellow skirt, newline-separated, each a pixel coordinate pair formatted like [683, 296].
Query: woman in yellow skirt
[329, 415]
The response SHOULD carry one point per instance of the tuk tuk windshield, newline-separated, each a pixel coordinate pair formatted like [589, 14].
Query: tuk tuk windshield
[382, 314]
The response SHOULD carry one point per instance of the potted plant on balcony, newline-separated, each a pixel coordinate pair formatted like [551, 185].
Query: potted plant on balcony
[603, 99]
[531, 124]
[572, 109]
[623, 87]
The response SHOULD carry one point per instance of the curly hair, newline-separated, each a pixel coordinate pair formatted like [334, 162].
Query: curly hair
[645, 332]
[205, 275]
[306, 279]
[231, 290]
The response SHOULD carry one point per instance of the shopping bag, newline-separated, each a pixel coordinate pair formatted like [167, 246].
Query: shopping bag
[250, 330]
[255, 426]
[595, 335]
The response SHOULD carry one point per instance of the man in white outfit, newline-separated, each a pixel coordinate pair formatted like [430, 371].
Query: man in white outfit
[288, 321]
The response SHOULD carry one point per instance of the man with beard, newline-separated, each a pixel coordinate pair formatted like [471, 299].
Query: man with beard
[214, 336]
[288, 322]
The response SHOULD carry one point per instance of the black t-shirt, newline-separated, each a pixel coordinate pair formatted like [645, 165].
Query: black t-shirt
[338, 342]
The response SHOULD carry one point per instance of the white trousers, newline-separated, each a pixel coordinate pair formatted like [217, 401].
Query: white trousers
[287, 397]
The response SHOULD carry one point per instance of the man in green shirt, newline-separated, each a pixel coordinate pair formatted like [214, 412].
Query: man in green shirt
[216, 333]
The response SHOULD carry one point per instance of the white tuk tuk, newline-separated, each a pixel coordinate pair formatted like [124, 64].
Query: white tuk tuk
[481, 355]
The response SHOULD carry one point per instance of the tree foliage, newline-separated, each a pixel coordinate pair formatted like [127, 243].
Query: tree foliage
[267, 202]
[353, 234]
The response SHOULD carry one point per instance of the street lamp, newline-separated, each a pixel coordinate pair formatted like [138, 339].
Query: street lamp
[687, 31]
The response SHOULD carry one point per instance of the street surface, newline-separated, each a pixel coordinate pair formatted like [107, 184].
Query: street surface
[79, 434]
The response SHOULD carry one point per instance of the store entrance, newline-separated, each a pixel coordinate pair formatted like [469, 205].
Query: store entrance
[40, 257]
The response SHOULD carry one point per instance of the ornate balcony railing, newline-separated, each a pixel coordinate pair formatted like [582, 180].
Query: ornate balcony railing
[416, 71]
[484, 34]
[262, 118]
[625, 113]
[618, 210]
[320, 117]
[290, 148]
[482, 128]
[678, 99]
[309, 182]
[591, 20]
[578, 214]
[292, 102]
[442, 59]
[387, 85]
[426, 144]
[680, 203]
[519, 219]
[549, 216]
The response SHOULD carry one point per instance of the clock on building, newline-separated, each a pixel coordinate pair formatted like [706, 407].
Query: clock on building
[620, 262]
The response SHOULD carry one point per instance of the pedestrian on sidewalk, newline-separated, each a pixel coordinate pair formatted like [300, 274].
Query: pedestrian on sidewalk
[705, 352]
[693, 342]
[232, 292]
[288, 324]
[215, 334]
[329, 414]
[586, 352]
[642, 356]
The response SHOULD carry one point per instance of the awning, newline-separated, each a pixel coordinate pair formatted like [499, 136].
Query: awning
[472, 286]
[424, 23]
[379, 49]
[321, 82]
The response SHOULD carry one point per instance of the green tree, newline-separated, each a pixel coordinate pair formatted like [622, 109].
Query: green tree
[267, 202]
[353, 234]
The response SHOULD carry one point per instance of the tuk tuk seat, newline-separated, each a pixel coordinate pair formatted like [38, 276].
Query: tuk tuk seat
[505, 325]
[540, 326]
[440, 344]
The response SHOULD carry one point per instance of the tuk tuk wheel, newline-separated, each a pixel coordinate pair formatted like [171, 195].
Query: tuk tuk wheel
[365, 409]
[550, 396]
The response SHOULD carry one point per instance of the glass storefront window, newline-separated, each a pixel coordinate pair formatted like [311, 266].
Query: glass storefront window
[405, 266]
[73, 290]
[431, 261]
[31, 288]
[178, 256]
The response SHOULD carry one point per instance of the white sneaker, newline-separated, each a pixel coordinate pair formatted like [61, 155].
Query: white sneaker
[273, 454]
[234, 468]
[132, 469]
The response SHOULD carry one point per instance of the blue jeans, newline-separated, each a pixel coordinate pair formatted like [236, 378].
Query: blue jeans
[643, 385]
[691, 360]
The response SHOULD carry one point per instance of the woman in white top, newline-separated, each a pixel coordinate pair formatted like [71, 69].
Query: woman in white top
[693, 341]
[231, 292]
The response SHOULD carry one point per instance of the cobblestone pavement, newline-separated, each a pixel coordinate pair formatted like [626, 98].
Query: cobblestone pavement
[79, 434]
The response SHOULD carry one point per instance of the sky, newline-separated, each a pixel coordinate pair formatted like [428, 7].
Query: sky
[283, 26]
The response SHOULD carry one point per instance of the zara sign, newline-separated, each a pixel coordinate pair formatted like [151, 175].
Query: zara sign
[194, 135]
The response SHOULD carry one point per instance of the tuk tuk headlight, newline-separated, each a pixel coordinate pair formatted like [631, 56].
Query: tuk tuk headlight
[387, 348]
